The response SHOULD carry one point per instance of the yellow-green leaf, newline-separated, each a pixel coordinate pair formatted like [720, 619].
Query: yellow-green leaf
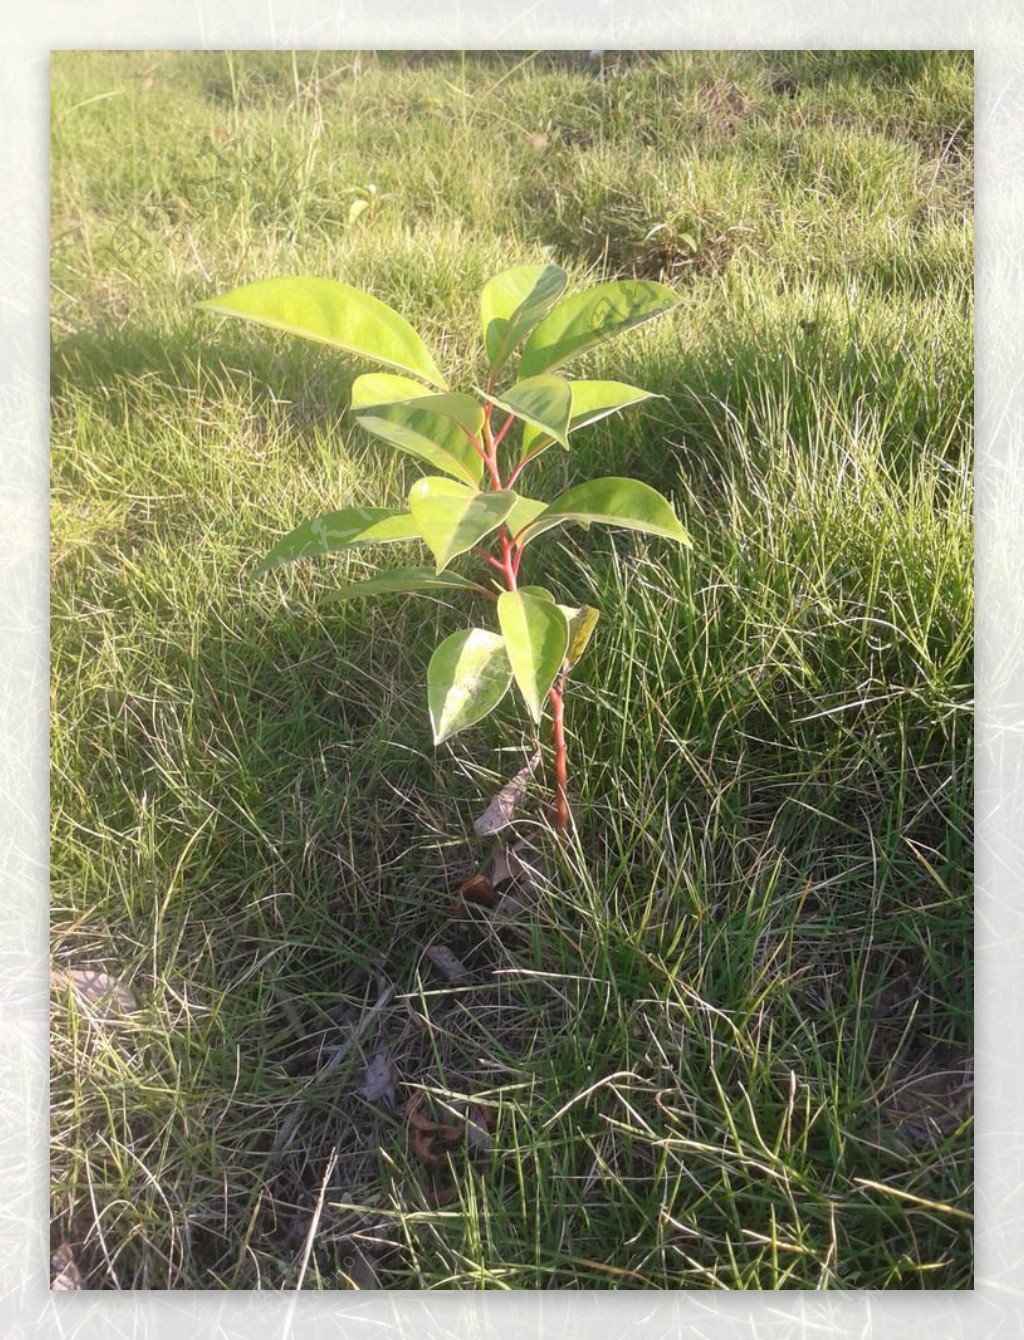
[436, 428]
[591, 400]
[467, 678]
[536, 636]
[544, 402]
[404, 580]
[385, 388]
[589, 318]
[338, 530]
[614, 502]
[453, 518]
[524, 511]
[333, 313]
[513, 302]
[582, 623]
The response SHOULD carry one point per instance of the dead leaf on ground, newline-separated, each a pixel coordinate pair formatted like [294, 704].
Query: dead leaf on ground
[360, 1271]
[379, 1086]
[66, 1273]
[478, 889]
[536, 141]
[415, 1115]
[933, 1102]
[478, 1131]
[98, 990]
[423, 1148]
[512, 866]
[442, 1195]
[448, 963]
[499, 812]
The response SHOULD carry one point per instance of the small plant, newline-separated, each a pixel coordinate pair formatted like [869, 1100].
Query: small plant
[473, 505]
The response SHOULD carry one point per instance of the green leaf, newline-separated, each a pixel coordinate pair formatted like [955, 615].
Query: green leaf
[524, 511]
[614, 502]
[407, 579]
[434, 428]
[384, 388]
[468, 676]
[544, 402]
[338, 530]
[582, 623]
[513, 302]
[453, 518]
[591, 317]
[334, 313]
[541, 592]
[591, 400]
[536, 636]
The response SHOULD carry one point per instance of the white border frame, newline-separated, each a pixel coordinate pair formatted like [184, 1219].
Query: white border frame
[995, 30]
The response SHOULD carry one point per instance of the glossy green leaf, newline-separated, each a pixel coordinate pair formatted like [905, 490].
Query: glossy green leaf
[524, 511]
[381, 391]
[407, 579]
[333, 313]
[338, 530]
[385, 388]
[436, 428]
[453, 518]
[614, 502]
[591, 400]
[541, 592]
[468, 676]
[513, 302]
[544, 402]
[589, 318]
[582, 623]
[536, 636]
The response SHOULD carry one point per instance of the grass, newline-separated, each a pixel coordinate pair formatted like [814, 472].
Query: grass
[726, 1042]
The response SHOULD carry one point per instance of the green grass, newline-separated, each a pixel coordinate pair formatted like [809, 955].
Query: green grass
[726, 1043]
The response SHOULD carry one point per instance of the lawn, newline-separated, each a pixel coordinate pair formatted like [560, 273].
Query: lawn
[722, 1038]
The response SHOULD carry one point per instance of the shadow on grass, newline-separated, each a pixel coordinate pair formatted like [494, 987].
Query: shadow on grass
[298, 801]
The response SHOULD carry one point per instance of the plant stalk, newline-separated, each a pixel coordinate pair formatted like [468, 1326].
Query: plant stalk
[557, 697]
[508, 564]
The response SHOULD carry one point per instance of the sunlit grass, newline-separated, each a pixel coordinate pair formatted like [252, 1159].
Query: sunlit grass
[739, 1002]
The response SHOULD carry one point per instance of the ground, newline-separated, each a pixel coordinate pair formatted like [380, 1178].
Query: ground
[723, 1040]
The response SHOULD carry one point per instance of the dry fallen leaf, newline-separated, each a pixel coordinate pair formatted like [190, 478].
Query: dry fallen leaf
[423, 1148]
[478, 889]
[416, 1116]
[478, 1131]
[67, 1275]
[360, 1271]
[446, 962]
[99, 990]
[536, 141]
[499, 812]
[513, 865]
[379, 1086]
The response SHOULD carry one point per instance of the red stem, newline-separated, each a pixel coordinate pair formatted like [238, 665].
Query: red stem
[490, 454]
[511, 556]
[522, 466]
[503, 430]
[508, 560]
[489, 558]
[557, 696]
